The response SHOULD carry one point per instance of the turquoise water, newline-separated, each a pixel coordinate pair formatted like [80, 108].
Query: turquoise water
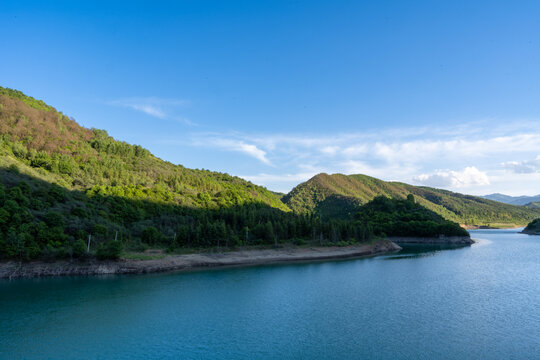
[479, 302]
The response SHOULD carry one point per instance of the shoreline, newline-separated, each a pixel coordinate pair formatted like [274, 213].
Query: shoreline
[173, 263]
[439, 240]
[489, 227]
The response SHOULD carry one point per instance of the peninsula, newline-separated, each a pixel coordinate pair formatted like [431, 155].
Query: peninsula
[533, 228]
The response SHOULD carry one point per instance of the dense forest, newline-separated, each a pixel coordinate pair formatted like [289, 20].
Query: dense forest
[39, 219]
[338, 196]
[383, 217]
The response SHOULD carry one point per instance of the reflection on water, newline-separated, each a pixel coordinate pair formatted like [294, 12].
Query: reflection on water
[411, 251]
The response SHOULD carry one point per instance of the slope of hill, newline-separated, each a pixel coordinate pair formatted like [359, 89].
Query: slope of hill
[533, 205]
[63, 187]
[48, 145]
[513, 200]
[337, 195]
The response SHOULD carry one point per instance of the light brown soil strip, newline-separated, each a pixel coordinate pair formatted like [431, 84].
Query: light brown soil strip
[13, 270]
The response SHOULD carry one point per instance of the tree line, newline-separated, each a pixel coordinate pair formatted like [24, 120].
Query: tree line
[42, 220]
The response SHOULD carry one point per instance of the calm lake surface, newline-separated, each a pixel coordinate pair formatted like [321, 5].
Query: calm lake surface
[479, 302]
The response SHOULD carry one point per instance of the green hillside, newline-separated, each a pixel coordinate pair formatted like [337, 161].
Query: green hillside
[338, 196]
[46, 144]
[533, 205]
[62, 184]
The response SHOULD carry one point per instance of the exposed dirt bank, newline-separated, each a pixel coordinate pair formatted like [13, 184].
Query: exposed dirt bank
[14, 269]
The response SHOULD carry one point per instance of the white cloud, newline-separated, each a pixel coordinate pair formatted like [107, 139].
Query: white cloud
[154, 106]
[329, 150]
[394, 149]
[389, 172]
[240, 146]
[523, 167]
[352, 150]
[470, 176]
[148, 109]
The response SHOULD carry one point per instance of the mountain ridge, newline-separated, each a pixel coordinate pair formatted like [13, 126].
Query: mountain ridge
[512, 200]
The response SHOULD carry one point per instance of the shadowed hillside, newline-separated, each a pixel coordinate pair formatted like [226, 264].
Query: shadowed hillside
[43, 220]
[405, 218]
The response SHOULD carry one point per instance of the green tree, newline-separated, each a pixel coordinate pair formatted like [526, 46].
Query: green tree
[79, 248]
[151, 235]
[110, 250]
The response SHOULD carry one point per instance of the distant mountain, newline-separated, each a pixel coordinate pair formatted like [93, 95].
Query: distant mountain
[507, 199]
[339, 196]
[513, 200]
[533, 205]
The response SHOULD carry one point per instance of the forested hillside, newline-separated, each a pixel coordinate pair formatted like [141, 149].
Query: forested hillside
[47, 144]
[61, 184]
[383, 216]
[339, 195]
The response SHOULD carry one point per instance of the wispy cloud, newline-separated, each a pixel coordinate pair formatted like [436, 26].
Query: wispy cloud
[523, 167]
[156, 107]
[147, 109]
[238, 146]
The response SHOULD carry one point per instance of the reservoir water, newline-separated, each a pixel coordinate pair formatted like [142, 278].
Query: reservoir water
[478, 302]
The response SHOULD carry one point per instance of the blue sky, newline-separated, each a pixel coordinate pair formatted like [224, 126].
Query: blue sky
[438, 93]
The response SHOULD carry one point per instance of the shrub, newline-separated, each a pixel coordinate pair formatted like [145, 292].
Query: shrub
[110, 250]
[79, 248]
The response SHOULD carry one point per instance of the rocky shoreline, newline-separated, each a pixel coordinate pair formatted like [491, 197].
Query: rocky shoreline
[440, 240]
[15, 270]
[489, 227]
